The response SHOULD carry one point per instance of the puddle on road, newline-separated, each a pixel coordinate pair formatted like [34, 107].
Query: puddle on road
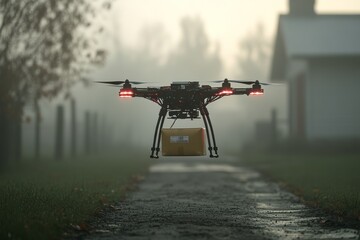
[240, 173]
[279, 214]
[195, 167]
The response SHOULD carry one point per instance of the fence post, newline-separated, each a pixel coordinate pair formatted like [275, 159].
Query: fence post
[59, 137]
[94, 135]
[274, 123]
[73, 128]
[37, 130]
[87, 133]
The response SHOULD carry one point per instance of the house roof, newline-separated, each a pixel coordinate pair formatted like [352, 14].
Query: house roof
[314, 36]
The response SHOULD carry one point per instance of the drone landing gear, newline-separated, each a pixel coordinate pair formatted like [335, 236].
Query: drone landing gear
[157, 135]
[208, 127]
[207, 122]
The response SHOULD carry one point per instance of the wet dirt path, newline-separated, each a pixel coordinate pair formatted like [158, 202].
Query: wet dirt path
[207, 199]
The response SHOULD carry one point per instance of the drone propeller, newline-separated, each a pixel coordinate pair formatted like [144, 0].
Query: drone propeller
[248, 82]
[244, 82]
[121, 82]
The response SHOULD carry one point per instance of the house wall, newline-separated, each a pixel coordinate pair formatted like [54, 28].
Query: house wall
[332, 109]
[297, 75]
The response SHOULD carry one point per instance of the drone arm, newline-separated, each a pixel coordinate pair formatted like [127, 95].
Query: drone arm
[152, 94]
[248, 91]
[241, 91]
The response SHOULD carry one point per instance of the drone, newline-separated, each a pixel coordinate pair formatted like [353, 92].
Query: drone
[186, 100]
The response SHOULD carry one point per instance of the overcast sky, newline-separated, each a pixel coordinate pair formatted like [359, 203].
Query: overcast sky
[226, 21]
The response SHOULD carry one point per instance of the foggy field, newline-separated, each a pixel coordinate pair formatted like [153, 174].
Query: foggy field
[327, 181]
[41, 199]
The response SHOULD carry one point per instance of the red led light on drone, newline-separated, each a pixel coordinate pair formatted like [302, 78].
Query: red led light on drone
[255, 93]
[226, 92]
[126, 93]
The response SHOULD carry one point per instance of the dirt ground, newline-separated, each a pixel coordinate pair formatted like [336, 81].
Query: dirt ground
[184, 198]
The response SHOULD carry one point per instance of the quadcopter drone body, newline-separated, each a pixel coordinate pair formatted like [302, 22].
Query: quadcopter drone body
[186, 100]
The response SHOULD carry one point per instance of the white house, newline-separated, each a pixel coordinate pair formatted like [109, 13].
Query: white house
[319, 57]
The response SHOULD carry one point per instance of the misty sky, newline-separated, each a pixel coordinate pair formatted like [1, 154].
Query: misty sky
[226, 22]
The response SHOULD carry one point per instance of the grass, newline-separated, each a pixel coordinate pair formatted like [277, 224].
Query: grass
[38, 200]
[330, 182]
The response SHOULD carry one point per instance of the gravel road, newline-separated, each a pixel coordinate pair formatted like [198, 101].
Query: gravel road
[211, 199]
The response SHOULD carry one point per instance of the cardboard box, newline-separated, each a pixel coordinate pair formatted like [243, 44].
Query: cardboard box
[183, 142]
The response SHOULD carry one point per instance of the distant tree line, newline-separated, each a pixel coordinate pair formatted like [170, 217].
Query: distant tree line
[192, 58]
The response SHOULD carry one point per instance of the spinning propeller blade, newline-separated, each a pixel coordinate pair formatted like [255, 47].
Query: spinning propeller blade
[121, 82]
[249, 82]
[245, 82]
[112, 82]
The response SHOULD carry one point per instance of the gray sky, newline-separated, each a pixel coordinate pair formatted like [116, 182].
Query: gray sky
[226, 21]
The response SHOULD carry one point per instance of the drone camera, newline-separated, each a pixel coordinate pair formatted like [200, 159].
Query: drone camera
[126, 93]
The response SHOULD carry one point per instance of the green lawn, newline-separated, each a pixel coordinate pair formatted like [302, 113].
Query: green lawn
[331, 182]
[38, 200]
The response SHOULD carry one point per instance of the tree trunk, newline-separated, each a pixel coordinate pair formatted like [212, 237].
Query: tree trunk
[274, 123]
[87, 133]
[103, 134]
[37, 131]
[73, 128]
[17, 154]
[59, 138]
[94, 130]
[10, 132]
[4, 137]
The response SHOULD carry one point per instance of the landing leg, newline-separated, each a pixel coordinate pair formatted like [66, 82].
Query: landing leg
[157, 134]
[202, 111]
[212, 133]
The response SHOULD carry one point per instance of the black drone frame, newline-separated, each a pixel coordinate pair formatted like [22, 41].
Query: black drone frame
[186, 100]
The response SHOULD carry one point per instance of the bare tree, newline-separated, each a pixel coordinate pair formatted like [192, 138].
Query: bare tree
[253, 60]
[45, 47]
[193, 59]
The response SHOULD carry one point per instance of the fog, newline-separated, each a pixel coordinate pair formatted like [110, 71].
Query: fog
[77, 160]
[132, 121]
[148, 56]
